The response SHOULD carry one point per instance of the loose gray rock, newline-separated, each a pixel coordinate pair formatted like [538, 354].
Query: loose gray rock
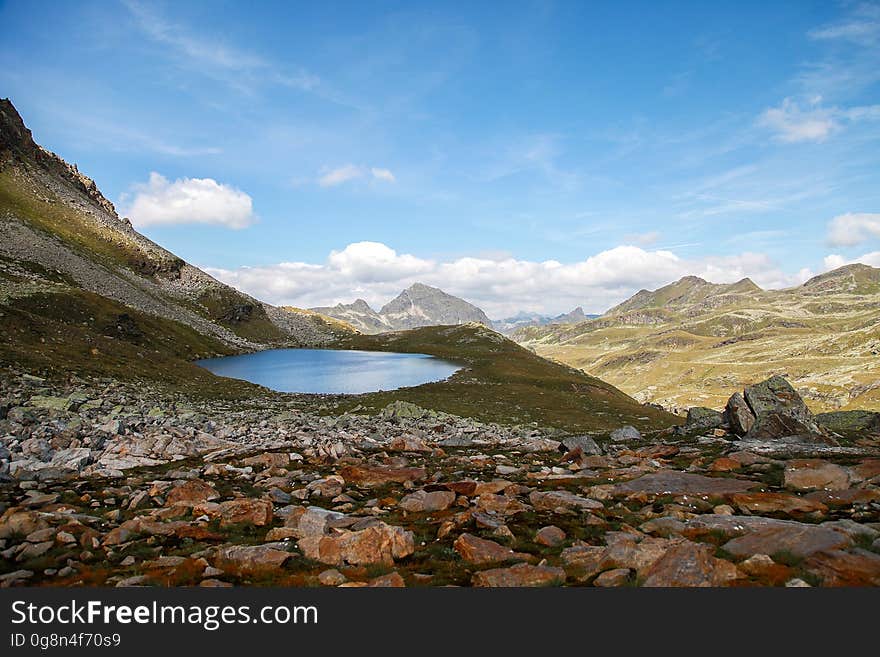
[625, 434]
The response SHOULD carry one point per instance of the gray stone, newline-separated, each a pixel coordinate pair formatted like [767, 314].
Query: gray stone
[700, 417]
[739, 415]
[586, 444]
[625, 434]
[776, 395]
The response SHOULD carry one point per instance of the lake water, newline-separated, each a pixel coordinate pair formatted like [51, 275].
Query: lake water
[331, 371]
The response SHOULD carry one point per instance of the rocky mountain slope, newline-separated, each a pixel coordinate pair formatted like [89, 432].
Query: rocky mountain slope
[76, 280]
[418, 305]
[689, 342]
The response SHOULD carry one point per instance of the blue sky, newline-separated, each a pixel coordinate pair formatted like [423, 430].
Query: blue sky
[530, 156]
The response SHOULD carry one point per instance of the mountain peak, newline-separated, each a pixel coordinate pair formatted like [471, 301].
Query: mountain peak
[856, 278]
[14, 134]
[16, 138]
[744, 285]
[360, 305]
[416, 306]
[422, 287]
[691, 280]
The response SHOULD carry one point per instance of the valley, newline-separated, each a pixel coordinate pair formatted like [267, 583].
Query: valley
[123, 463]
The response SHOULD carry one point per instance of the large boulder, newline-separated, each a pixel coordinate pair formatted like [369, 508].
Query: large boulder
[689, 564]
[739, 415]
[775, 396]
[700, 418]
[377, 544]
[246, 511]
[773, 426]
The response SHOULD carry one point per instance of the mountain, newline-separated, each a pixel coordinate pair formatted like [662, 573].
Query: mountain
[358, 314]
[689, 292]
[77, 281]
[418, 305]
[853, 279]
[523, 319]
[689, 342]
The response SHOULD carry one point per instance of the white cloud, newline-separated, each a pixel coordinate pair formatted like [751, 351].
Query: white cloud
[853, 228]
[834, 260]
[811, 121]
[340, 175]
[209, 54]
[861, 27]
[793, 124]
[383, 174]
[347, 172]
[187, 201]
[502, 285]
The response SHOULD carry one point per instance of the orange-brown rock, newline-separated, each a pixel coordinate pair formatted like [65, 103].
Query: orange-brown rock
[422, 501]
[250, 560]
[268, 460]
[846, 497]
[474, 549]
[408, 444]
[17, 522]
[378, 475]
[777, 503]
[391, 580]
[673, 482]
[523, 575]
[500, 504]
[810, 474]
[562, 501]
[689, 564]
[613, 578]
[190, 493]
[246, 511]
[839, 568]
[724, 464]
[465, 487]
[867, 469]
[550, 536]
[377, 544]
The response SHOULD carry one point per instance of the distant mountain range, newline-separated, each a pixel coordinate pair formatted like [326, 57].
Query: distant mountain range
[691, 341]
[422, 305]
[418, 305]
[523, 320]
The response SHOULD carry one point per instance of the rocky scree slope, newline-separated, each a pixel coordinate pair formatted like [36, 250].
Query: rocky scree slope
[73, 275]
[106, 483]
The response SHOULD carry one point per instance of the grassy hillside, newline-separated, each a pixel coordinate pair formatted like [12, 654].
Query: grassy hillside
[693, 344]
[501, 381]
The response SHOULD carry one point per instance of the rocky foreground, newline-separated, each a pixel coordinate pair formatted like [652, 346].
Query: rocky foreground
[104, 483]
